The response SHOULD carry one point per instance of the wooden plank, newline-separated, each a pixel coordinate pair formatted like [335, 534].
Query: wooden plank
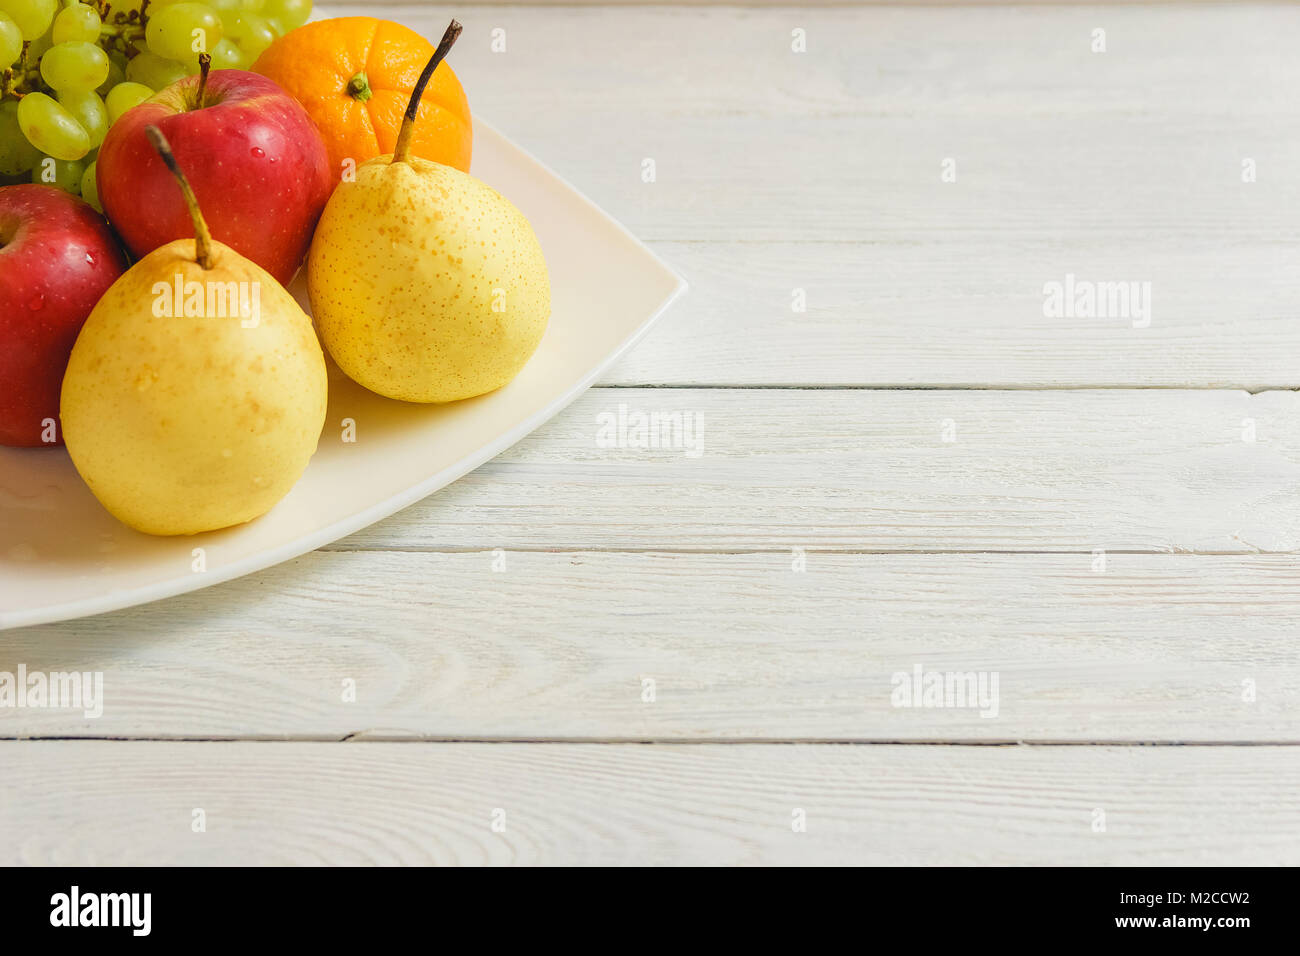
[729, 646]
[752, 141]
[865, 60]
[1144, 470]
[878, 179]
[955, 313]
[114, 804]
[1017, 179]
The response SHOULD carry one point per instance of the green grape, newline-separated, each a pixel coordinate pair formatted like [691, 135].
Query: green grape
[17, 155]
[116, 74]
[32, 16]
[51, 128]
[66, 174]
[228, 10]
[253, 34]
[123, 97]
[77, 22]
[74, 66]
[89, 188]
[254, 6]
[291, 13]
[227, 56]
[276, 26]
[153, 71]
[11, 41]
[182, 31]
[88, 110]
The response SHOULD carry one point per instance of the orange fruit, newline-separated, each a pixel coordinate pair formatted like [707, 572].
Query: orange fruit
[354, 75]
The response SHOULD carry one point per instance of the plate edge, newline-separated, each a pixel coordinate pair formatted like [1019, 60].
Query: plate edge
[121, 600]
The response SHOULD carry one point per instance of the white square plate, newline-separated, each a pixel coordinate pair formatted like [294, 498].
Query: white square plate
[63, 556]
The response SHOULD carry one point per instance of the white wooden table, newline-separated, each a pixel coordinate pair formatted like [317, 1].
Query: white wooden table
[580, 654]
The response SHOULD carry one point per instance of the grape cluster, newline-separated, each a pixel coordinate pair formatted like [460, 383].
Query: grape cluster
[71, 68]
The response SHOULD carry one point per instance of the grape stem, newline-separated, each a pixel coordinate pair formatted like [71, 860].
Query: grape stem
[127, 31]
[126, 27]
[202, 238]
[15, 75]
[403, 148]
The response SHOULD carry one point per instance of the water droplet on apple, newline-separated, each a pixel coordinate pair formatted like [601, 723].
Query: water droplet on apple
[258, 152]
[36, 302]
[90, 258]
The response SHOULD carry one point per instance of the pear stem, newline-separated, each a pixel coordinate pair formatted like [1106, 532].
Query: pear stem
[403, 148]
[205, 64]
[202, 238]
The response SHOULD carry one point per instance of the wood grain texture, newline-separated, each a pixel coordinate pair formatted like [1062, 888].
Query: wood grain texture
[960, 314]
[1144, 470]
[1169, 648]
[845, 142]
[534, 599]
[820, 171]
[96, 803]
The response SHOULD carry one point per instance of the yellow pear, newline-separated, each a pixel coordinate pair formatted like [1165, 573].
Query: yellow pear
[426, 284]
[195, 393]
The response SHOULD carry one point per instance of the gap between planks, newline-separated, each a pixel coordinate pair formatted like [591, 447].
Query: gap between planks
[342, 548]
[957, 387]
[362, 737]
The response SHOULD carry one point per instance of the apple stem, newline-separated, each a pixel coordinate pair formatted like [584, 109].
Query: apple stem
[403, 148]
[202, 238]
[205, 64]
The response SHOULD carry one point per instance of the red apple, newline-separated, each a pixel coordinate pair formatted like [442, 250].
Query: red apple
[57, 257]
[252, 154]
